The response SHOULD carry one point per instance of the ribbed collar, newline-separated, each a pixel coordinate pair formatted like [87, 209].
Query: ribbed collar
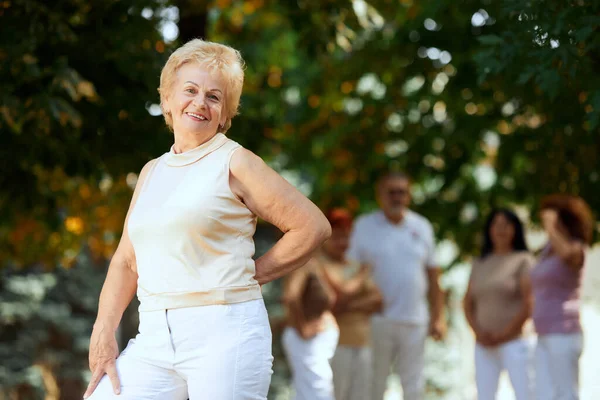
[191, 156]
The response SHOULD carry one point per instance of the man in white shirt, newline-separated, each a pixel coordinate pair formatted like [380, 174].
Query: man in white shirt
[399, 246]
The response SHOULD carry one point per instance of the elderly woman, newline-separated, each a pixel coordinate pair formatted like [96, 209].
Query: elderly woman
[187, 248]
[556, 281]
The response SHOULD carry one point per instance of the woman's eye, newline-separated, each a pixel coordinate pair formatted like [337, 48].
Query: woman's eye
[190, 90]
[213, 97]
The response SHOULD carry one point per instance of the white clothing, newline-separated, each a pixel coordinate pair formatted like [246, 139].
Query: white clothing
[191, 235]
[516, 357]
[557, 366]
[216, 352]
[309, 362]
[352, 370]
[403, 345]
[399, 255]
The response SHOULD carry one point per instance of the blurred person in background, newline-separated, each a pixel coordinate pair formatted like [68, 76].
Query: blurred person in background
[357, 298]
[311, 335]
[398, 244]
[556, 282]
[187, 248]
[498, 304]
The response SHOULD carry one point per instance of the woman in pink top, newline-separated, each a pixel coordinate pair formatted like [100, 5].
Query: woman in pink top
[556, 283]
[497, 305]
[187, 249]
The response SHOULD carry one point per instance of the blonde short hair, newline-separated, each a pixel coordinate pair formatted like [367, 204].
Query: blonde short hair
[214, 57]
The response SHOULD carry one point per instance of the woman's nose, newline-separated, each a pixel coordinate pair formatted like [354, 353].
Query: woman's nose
[200, 101]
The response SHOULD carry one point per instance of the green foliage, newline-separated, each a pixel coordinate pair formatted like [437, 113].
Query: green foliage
[335, 92]
[75, 79]
[551, 50]
[360, 94]
[453, 93]
[483, 103]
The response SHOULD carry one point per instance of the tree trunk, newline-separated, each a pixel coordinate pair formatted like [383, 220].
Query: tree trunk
[193, 16]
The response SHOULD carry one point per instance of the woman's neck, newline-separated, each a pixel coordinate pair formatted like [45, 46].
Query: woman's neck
[185, 142]
[502, 250]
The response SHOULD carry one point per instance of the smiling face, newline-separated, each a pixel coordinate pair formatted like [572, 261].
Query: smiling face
[196, 102]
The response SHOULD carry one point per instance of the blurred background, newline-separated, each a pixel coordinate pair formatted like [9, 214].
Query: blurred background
[482, 102]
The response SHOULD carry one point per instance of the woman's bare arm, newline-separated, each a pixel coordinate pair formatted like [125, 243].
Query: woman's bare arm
[272, 198]
[293, 289]
[469, 308]
[570, 251]
[515, 326]
[121, 280]
[118, 290]
[350, 287]
[369, 303]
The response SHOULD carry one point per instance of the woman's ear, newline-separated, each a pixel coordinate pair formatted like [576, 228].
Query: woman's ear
[223, 120]
[165, 103]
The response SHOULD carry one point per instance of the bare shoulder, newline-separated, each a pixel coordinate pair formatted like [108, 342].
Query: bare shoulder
[145, 171]
[245, 172]
[244, 161]
[141, 179]
[272, 198]
[148, 166]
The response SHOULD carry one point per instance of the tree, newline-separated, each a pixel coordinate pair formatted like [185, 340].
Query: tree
[545, 56]
[333, 95]
[76, 79]
[471, 98]
[340, 93]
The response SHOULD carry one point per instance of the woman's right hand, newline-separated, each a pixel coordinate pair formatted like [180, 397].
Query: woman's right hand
[104, 351]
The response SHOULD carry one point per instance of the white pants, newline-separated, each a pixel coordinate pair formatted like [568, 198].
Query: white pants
[557, 366]
[312, 377]
[516, 357]
[352, 372]
[401, 344]
[217, 352]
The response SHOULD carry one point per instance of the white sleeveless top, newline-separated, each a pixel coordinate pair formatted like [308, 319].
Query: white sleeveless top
[191, 235]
